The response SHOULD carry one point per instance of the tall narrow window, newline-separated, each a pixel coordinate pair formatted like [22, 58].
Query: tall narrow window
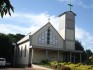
[25, 51]
[21, 52]
[18, 51]
[48, 36]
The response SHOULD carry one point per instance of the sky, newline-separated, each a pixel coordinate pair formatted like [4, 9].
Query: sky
[31, 15]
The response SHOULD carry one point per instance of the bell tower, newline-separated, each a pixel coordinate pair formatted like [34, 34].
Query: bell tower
[67, 28]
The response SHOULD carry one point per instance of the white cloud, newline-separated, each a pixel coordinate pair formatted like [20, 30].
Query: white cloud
[66, 1]
[78, 2]
[81, 3]
[36, 21]
[85, 37]
[10, 28]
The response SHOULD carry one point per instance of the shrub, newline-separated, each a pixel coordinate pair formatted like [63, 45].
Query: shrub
[65, 68]
[69, 63]
[54, 64]
[59, 65]
[79, 64]
[44, 61]
[65, 63]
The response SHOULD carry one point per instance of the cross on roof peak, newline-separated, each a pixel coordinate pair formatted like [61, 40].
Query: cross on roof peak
[70, 5]
[49, 19]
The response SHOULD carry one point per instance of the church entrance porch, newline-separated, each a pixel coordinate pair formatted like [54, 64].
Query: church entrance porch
[75, 57]
[45, 54]
[56, 55]
[64, 56]
[52, 55]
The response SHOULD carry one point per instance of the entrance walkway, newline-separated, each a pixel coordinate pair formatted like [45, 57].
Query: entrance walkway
[37, 67]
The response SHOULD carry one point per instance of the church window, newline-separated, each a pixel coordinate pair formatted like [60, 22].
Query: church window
[42, 37]
[56, 42]
[48, 37]
[21, 52]
[50, 40]
[18, 51]
[39, 38]
[42, 41]
[45, 32]
[50, 34]
[53, 39]
[53, 42]
[25, 51]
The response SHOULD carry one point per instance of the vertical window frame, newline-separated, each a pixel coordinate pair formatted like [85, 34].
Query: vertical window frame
[25, 51]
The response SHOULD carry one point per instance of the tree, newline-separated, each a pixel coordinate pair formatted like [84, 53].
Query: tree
[18, 37]
[15, 38]
[78, 46]
[89, 53]
[91, 59]
[89, 56]
[6, 45]
[5, 7]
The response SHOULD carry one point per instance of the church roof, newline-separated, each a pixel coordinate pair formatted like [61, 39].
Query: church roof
[40, 28]
[30, 33]
[66, 13]
[43, 27]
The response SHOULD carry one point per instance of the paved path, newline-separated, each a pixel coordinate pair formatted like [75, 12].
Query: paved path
[34, 67]
[37, 67]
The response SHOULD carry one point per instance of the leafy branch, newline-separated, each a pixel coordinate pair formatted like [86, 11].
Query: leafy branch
[5, 7]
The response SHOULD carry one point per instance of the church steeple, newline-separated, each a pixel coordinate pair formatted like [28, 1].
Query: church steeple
[67, 28]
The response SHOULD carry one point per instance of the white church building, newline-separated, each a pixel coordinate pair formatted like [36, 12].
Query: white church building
[48, 43]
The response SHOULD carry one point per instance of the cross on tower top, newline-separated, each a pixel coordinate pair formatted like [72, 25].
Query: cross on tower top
[70, 5]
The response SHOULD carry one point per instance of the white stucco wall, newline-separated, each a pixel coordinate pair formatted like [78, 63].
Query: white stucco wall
[70, 15]
[70, 34]
[23, 59]
[70, 45]
[38, 55]
[70, 31]
[62, 22]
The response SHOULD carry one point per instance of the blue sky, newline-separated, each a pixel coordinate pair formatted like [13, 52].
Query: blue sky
[30, 15]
